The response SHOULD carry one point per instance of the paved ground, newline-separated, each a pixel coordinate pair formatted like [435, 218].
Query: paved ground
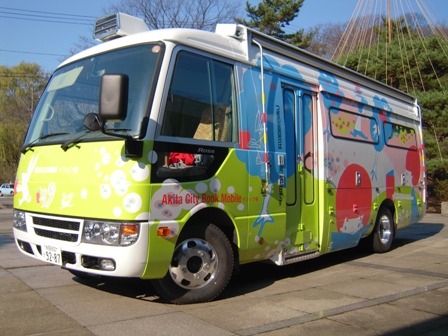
[403, 292]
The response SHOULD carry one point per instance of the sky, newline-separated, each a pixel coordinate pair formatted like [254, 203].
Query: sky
[44, 31]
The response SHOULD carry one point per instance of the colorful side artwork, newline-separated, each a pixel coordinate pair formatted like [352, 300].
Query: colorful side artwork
[326, 144]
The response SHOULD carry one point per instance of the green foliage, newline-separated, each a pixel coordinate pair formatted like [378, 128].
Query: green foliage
[406, 64]
[20, 87]
[435, 121]
[11, 138]
[438, 179]
[271, 16]
[434, 105]
[406, 60]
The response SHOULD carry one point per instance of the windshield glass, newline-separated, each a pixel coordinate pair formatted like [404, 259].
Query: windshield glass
[73, 92]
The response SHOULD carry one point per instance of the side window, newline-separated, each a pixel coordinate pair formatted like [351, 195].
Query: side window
[351, 126]
[200, 99]
[400, 136]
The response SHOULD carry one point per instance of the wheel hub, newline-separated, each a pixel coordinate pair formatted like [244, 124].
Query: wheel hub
[385, 229]
[194, 264]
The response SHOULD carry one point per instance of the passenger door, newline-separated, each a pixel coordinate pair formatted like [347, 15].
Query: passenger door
[299, 106]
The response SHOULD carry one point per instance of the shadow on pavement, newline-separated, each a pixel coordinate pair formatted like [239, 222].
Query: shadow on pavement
[4, 240]
[256, 276]
[435, 326]
[416, 232]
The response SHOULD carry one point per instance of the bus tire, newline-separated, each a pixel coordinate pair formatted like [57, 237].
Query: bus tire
[383, 233]
[200, 269]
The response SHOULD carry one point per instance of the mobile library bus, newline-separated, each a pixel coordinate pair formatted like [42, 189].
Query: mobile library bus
[177, 155]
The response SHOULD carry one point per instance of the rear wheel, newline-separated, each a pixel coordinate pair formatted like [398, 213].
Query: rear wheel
[383, 232]
[200, 269]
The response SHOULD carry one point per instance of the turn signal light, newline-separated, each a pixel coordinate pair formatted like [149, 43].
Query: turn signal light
[129, 229]
[163, 231]
[129, 234]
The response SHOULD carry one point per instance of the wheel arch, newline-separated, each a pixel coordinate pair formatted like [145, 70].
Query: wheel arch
[222, 220]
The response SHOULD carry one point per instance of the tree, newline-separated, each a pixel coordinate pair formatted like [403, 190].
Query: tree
[271, 16]
[409, 62]
[435, 121]
[20, 88]
[159, 14]
[197, 14]
[326, 39]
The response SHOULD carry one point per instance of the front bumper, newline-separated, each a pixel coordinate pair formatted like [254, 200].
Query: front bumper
[128, 261]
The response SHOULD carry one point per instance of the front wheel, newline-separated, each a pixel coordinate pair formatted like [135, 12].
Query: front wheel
[383, 232]
[200, 269]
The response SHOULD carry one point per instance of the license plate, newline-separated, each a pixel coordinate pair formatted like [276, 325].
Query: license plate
[52, 254]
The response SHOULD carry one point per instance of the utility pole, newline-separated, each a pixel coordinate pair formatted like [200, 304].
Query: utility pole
[389, 22]
[389, 30]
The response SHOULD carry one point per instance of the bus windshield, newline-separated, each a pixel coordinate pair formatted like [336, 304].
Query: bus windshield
[73, 93]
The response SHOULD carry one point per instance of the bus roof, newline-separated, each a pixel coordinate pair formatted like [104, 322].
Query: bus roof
[235, 41]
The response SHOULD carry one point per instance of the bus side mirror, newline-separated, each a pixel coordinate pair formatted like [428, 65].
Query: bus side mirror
[113, 107]
[113, 97]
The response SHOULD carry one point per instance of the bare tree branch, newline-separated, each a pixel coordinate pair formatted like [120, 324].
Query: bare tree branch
[196, 14]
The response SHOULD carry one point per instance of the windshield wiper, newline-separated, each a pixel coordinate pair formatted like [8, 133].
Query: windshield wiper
[66, 145]
[33, 143]
[92, 122]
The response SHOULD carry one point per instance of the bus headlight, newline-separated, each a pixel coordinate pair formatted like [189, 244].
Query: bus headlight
[91, 232]
[19, 220]
[108, 233]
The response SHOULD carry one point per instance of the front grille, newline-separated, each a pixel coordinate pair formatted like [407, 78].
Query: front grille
[56, 223]
[68, 237]
[58, 229]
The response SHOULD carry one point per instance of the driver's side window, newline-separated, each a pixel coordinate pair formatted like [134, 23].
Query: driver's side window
[200, 100]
